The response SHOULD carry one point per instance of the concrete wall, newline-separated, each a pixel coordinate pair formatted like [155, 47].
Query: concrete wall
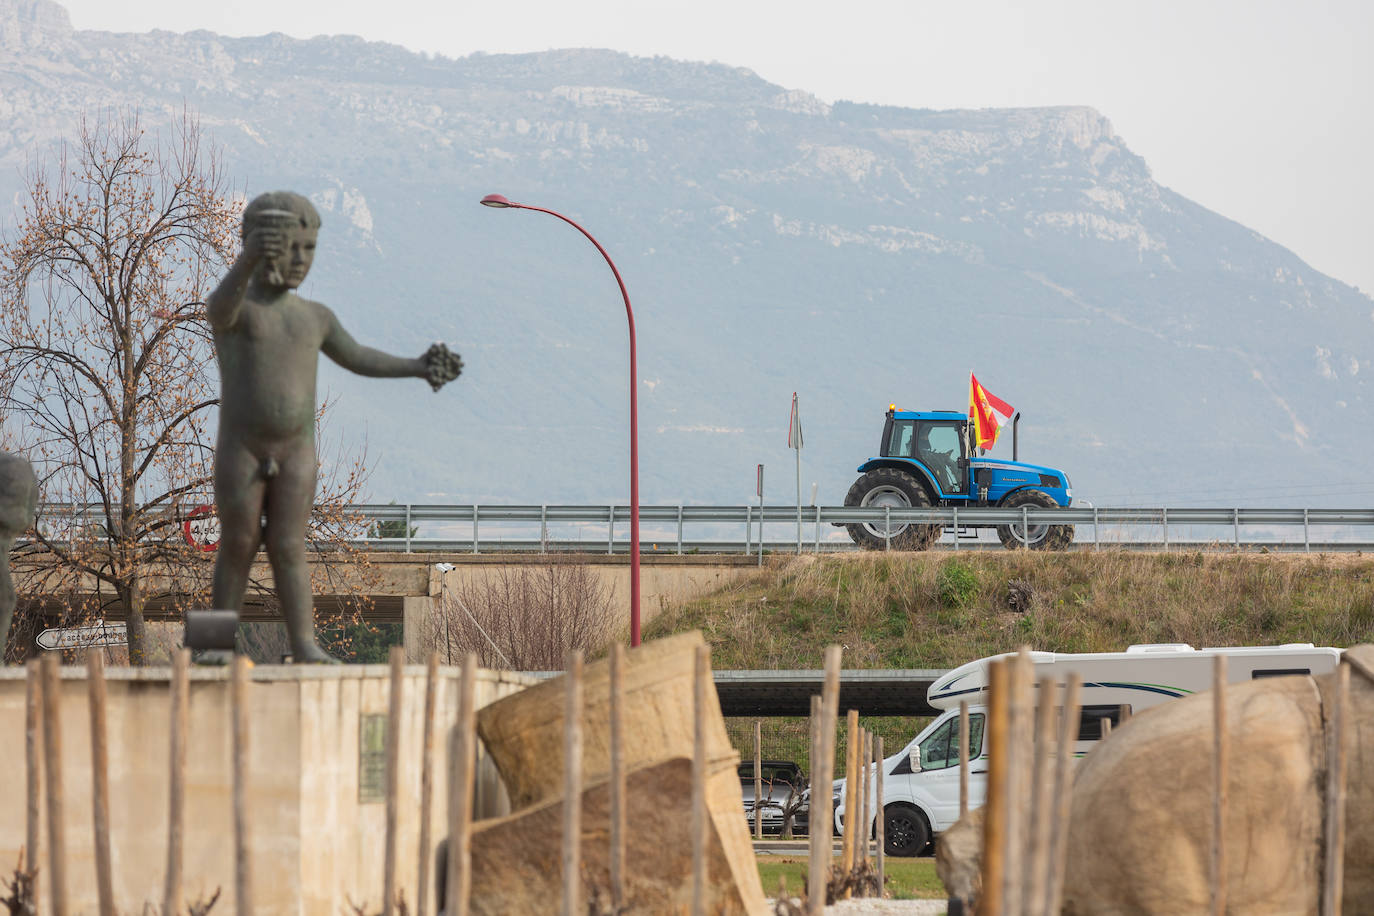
[315, 844]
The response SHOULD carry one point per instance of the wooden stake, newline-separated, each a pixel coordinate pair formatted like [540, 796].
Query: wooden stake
[1035, 877]
[618, 788]
[995, 810]
[52, 762]
[1333, 886]
[33, 759]
[427, 782]
[963, 758]
[851, 799]
[1220, 760]
[818, 839]
[573, 904]
[1019, 681]
[1063, 789]
[865, 771]
[179, 699]
[758, 779]
[823, 814]
[100, 781]
[462, 770]
[243, 845]
[880, 821]
[393, 776]
[699, 717]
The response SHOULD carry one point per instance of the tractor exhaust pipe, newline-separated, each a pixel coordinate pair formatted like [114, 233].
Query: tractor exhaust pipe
[1015, 438]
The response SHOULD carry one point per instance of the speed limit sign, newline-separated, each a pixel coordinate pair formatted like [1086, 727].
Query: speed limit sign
[201, 528]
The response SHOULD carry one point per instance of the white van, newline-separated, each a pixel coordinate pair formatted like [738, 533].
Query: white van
[921, 781]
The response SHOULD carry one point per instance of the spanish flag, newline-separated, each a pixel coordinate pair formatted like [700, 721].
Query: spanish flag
[987, 411]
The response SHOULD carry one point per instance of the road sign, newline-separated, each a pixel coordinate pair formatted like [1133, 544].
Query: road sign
[201, 528]
[101, 634]
[760, 486]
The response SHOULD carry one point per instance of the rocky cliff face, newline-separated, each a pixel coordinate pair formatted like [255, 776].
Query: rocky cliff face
[858, 254]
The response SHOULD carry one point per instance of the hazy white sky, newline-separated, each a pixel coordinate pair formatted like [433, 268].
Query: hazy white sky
[1262, 110]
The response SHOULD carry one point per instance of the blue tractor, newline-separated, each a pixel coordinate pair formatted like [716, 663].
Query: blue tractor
[926, 459]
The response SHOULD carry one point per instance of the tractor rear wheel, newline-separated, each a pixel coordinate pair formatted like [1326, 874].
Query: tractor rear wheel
[898, 490]
[1036, 535]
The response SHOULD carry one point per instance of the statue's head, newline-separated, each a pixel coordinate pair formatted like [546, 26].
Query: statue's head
[299, 220]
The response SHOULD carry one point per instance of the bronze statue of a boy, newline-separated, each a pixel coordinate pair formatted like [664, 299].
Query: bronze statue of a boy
[268, 341]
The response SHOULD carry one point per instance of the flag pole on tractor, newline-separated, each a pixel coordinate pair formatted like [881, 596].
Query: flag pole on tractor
[794, 441]
[988, 412]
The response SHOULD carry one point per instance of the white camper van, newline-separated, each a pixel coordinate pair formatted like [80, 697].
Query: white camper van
[921, 781]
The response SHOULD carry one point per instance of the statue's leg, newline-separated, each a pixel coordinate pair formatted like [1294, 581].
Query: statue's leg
[239, 493]
[290, 499]
[7, 595]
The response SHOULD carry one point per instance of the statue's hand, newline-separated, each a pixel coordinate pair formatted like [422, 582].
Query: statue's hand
[442, 365]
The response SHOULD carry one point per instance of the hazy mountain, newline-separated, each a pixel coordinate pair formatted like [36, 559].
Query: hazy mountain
[860, 255]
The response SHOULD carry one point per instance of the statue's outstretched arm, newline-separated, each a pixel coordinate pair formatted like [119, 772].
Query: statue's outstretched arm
[340, 346]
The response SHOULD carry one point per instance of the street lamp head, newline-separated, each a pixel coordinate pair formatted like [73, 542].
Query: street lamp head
[497, 201]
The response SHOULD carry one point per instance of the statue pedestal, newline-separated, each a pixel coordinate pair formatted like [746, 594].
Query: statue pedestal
[317, 756]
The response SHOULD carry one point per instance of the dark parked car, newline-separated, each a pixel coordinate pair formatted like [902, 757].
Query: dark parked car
[783, 788]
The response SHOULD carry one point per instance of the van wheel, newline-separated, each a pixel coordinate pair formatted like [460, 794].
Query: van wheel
[905, 831]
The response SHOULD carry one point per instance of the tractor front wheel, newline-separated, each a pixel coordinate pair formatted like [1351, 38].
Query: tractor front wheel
[897, 490]
[1036, 535]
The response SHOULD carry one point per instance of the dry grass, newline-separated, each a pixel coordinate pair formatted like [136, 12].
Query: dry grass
[939, 609]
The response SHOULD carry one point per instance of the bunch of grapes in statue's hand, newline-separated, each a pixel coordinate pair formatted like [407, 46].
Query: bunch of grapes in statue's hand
[442, 365]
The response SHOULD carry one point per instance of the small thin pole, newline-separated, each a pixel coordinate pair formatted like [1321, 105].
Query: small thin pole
[33, 758]
[393, 776]
[243, 847]
[851, 802]
[1063, 789]
[963, 758]
[880, 828]
[618, 788]
[572, 786]
[1106, 725]
[180, 701]
[818, 839]
[758, 779]
[427, 781]
[995, 813]
[701, 682]
[52, 763]
[462, 769]
[1332, 891]
[1219, 768]
[1036, 875]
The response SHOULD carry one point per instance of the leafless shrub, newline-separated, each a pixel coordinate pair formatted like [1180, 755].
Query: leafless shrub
[525, 617]
[20, 901]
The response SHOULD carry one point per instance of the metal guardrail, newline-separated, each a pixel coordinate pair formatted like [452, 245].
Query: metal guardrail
[663, 529]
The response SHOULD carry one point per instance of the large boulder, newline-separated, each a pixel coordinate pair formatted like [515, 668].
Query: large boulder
[523, 733]
[1140, 837]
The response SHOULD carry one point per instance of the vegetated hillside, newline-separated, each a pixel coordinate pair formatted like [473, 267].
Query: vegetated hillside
[940, 609]
[857, 254]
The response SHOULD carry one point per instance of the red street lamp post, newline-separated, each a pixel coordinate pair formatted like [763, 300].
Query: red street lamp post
[499, 202]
